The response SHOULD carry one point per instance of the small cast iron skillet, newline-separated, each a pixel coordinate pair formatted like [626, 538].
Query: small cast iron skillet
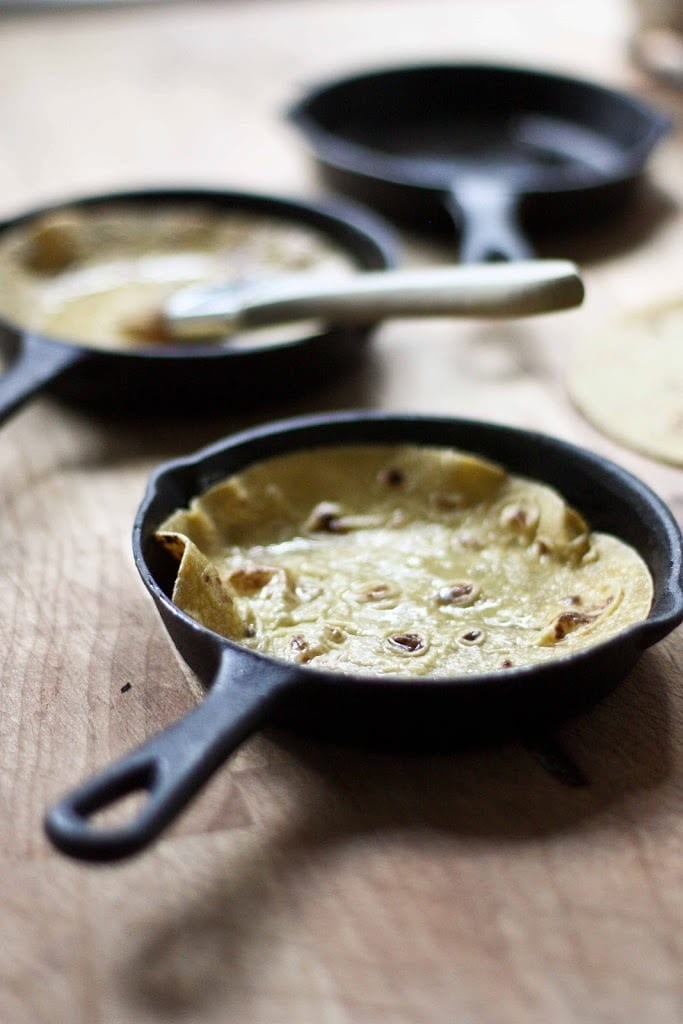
[247, 690]
[183, 378]
[497, 150]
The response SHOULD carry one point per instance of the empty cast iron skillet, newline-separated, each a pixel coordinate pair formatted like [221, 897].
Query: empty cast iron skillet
[246, 690]
[185, 378]
[497, 150]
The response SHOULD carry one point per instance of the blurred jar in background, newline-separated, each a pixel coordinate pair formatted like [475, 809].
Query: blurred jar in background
[658, 38]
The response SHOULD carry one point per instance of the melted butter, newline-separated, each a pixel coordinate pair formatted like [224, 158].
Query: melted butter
[362, 559]
[85, 276]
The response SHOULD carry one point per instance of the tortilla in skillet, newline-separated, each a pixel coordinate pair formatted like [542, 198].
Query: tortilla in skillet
[401, 560]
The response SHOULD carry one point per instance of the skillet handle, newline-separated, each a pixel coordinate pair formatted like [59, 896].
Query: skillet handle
[39, 361]
[169, 768]
[487, 216]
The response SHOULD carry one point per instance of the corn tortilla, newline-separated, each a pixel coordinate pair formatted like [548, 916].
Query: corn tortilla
[402, 560]
[627, 380]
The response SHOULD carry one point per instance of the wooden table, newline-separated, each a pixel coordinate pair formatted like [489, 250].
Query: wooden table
[308, 883]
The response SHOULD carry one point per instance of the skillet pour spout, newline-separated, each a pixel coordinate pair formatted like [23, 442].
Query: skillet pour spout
[247, 690]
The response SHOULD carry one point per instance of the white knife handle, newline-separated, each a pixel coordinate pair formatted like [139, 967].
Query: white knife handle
[516, 289]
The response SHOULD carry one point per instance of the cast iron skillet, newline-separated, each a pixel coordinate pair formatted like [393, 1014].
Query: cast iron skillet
[190, 378]
[247, 690]
[498, 150]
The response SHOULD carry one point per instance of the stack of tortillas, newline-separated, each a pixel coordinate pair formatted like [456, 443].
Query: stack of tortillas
[627, 379]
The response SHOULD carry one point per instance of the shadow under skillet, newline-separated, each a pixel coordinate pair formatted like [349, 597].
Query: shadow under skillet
[117, 436]
[483, 798]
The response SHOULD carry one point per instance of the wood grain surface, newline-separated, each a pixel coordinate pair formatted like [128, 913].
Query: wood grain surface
[311, 884]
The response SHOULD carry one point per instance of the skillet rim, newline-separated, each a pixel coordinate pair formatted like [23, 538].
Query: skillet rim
[638, 636]
[344, 155]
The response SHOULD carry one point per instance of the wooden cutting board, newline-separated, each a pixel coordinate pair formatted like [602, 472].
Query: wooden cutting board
[310, 883]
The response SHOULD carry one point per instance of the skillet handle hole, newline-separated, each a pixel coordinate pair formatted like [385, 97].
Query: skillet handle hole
[119, 810]
[110, 815]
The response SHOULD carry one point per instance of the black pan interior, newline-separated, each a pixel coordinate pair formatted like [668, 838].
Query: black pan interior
[539, 132]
